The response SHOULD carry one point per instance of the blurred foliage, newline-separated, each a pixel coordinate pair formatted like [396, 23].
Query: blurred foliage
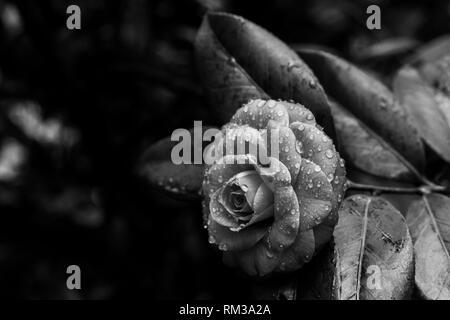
[77, 108]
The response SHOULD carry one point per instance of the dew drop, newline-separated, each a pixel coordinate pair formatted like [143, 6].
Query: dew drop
[330, 177]
[261, 103]
[299, 147]
[271, 103]
[329, 154]
[309, 117]
[317, 168]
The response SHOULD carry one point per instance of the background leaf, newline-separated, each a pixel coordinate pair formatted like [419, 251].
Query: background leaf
[156, 167]
[432, 51]
[238, 60]
[364, 149]
[429, 222]
[419, 100]
[372, 103]
[371, 232]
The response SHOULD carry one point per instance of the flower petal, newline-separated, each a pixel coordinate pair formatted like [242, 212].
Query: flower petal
[298, 113]
[250, 182]
[286, 147]
[241, 140]
[317, 147]
[286, 212]
[235, 241]
[257, 113]
[314, 193]
[221, 171]
[299, 253]
[339, 182]
[219, 213]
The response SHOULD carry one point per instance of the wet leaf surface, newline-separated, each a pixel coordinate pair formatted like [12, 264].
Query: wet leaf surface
[364, 149]
[372, 103]
[237, 61]
[429, 223]
[372, 256]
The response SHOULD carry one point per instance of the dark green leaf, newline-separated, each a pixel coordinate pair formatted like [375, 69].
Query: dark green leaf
[419, 100]
[372, 104]
[429, 222]
[238, 60]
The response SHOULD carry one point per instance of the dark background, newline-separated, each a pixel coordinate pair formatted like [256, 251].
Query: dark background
[78, 108]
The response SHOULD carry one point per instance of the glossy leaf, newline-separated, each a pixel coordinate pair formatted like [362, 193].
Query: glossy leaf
[156, 167]
[238, 60]
[372, 104]
[364, 149]
[419, 100]
[429, 222]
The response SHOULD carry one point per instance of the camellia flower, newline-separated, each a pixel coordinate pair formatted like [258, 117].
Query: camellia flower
[271, 212]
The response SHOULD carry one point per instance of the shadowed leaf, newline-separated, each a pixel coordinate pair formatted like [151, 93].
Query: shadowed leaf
[372, 104]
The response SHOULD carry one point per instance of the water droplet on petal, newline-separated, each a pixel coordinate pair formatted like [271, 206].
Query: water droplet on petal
[309, 117]
[271, 103]
[330, 177]
[299, 147]
[329, 154]
[261, 103]
[317, 168]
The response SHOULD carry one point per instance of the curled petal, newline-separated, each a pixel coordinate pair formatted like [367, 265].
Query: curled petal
[257, 113]
[315, 195]
[262, 205]
[339, 181]
[221, 171]
[275, 174]
[298, 113]
[240, 140]
[317, 147]
[219, 213]
[285, 144]
[299, 253]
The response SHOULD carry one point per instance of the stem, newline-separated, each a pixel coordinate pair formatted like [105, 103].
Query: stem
[426, 189]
